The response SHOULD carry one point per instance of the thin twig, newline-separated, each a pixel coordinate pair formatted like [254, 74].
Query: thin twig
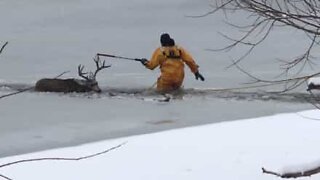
[2, 48]
[297, 174]
[5, 177]
[57, 159]
[310, 118]
[61, 74]
[263, 16]
[62, 159]
[29, 88]
[315, 101]
[295, 81]
[18, 92]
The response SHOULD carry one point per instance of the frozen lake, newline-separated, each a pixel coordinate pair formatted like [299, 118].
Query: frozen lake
[49, 37]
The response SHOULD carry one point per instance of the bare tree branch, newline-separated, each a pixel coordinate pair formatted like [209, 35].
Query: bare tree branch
[213, 11]
[2, 48]
[62, 159]
[264, 16]
[309, 172]
[61, 74]
[58, 159]
[291, 83]
[306, 117]
[18, 92]
[314, 100]
[5, 177]
[29, 88]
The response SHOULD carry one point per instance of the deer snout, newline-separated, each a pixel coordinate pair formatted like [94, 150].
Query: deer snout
[96, 88]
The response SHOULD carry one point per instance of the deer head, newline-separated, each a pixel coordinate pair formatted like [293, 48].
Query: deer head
[90, 78]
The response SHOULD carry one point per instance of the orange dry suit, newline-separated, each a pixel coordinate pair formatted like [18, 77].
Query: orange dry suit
[171, 60]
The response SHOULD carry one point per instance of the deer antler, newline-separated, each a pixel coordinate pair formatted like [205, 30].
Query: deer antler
[92, 76]
[81, 73]
[99, 65]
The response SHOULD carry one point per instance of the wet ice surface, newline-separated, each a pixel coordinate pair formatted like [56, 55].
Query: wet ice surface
[33, 121]
[149, 94]
[49, 37]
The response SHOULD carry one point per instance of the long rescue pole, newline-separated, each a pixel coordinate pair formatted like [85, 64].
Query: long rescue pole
[119, 57]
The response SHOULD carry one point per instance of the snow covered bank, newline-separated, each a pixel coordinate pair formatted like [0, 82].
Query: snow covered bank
[232, 150]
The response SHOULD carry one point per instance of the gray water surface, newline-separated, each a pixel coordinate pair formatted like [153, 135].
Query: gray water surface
[38, 121]
[49, 37]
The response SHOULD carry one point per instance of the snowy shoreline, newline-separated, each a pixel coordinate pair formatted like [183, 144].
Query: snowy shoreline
[53, 120]
[229, 150]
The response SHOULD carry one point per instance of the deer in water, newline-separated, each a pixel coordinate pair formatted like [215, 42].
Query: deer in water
[88, 83]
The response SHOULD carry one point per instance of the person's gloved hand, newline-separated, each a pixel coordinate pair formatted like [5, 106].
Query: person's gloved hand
[144, 61]
[198, 75]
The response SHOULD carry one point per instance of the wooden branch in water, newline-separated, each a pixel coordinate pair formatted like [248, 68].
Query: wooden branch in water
[2, 48]
[29, 88]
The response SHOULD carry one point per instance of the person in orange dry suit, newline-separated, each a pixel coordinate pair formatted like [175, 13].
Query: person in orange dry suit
[171, 59]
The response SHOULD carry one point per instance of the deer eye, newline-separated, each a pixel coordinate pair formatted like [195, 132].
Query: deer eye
[94, 83]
